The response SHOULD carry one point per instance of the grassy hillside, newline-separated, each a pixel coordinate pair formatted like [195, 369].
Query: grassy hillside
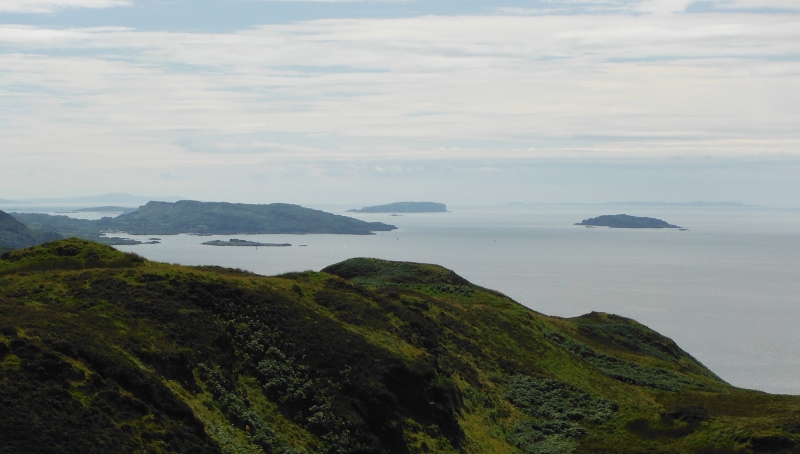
[15, 235]
[219, 218]
[102, 351]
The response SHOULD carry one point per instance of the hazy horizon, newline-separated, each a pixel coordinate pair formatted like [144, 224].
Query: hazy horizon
[131, 200]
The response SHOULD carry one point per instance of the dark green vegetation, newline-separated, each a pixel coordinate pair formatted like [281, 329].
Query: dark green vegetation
[624, 221]
[15, 235]
[217, 218]
[102, 351]
[236, 242]
[405, 207]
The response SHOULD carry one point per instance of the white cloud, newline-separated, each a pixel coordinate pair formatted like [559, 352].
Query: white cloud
[50, 6]
[422, 88]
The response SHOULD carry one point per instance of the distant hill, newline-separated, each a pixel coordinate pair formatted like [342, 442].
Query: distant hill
[216, 218]
[404, 207]
[105, 352]
[624, 221]
[15, 235]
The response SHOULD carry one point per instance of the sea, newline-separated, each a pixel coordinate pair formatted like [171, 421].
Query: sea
[726, 289]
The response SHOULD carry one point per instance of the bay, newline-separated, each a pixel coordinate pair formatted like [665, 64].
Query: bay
[727, 290]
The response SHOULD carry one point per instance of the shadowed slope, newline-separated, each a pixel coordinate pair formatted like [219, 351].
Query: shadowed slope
[14, 235]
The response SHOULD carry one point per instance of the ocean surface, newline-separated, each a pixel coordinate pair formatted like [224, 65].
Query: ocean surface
[727, 290]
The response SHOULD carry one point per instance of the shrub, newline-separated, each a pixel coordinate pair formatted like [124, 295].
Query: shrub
[555, 407]
[624, 371]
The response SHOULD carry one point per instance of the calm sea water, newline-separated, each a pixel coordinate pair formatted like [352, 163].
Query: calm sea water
[727, 290]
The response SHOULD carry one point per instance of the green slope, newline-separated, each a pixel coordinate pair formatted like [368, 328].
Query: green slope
[105, 352]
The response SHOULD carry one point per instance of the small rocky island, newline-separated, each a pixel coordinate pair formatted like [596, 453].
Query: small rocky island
[404, 207]
[238, 242]
[624, 221]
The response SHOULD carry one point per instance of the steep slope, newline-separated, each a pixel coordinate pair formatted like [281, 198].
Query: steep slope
[103, 351]
[14, 234]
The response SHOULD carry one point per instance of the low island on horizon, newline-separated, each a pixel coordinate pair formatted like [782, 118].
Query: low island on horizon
[239, 243]
[624, 221]
[404, 207]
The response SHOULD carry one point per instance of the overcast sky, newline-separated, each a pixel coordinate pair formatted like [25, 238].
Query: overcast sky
[361, 102]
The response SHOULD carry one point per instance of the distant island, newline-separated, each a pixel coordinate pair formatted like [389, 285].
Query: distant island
[404, 207]
[207, 218]
[237, 242]
[624, 221]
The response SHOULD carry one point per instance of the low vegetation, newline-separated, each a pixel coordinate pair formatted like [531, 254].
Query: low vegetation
[102, 351]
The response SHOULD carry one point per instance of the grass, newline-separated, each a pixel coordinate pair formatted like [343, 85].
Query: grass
[105, 351]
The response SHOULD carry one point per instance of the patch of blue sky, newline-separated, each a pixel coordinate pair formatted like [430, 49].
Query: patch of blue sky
[23, 90]
[720, 7]
[232, 15]
[721, 56]
[329, 69]
[260, 142]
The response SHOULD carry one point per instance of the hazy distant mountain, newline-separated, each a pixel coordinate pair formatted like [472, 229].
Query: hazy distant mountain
[404, 207]
[648, 204]
[106, 199]
[15, 235]
[681, 204]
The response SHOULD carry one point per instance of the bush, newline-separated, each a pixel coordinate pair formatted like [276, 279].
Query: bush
[555, 407]
[624, 371]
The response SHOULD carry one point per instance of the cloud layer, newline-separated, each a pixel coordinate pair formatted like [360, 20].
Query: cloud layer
[653, 85]
[51, 6]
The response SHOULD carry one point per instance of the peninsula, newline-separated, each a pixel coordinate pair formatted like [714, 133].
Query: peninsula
[404, 207]
[207, 218]
[15, 235]
[624, 221]
[237, 242]
[103, 351]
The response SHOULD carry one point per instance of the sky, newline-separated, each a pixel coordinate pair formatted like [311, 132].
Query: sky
[365, 102]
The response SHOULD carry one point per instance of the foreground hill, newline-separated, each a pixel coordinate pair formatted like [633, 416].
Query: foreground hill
[217, 218]
[15, 235]
[404, 207]
[102, 351]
